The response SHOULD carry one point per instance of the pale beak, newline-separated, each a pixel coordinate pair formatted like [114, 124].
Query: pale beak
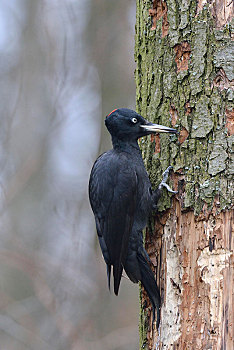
[152, 128]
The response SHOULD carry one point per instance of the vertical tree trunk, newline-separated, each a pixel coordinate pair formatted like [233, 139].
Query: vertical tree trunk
[184, 77]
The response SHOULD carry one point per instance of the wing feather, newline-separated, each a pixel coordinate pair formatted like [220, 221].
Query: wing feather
[113, 192]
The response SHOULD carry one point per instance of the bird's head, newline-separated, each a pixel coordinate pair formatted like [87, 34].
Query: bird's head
[127, 125]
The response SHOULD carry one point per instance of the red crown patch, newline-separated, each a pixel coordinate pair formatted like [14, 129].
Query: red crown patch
[111, 112]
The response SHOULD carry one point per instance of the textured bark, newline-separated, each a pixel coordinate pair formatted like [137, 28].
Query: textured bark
[185, 78]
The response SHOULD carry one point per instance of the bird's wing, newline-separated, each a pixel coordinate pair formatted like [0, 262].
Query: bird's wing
[113, 192]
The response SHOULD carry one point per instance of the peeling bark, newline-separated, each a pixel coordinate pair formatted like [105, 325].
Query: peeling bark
[230, 121]
[183, 135]
[156, 140]
[174, 115]
[196, 268]
[185, 80]
[222, 82]
[182, 55]
[221, 10]
[158, 11]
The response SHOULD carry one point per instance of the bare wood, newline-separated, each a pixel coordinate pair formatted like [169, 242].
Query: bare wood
[184, 78]
[196, 280]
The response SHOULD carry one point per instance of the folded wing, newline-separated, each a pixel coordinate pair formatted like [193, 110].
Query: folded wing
[113, 192]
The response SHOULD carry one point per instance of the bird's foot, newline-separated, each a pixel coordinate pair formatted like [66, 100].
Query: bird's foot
[165, 178]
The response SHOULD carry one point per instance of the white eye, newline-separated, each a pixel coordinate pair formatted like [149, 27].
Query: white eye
[134, 120]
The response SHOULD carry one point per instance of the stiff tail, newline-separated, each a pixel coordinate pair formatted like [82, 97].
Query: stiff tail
[108, 271]
[150, 285]
[117, 274]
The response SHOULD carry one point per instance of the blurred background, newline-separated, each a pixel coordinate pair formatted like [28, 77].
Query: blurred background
[64, 66]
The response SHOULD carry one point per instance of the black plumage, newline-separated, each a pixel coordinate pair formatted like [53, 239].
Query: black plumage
[121, 199]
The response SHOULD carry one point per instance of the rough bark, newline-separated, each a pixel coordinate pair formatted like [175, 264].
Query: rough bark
[185, 78]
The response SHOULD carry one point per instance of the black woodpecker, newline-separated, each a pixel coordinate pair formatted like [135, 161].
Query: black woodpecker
[121, 198]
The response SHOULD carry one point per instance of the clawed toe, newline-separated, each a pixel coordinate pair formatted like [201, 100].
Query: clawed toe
[165, 177]
[168, 188]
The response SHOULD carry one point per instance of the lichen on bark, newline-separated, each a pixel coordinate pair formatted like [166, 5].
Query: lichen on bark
[160, 86]
[196, 97]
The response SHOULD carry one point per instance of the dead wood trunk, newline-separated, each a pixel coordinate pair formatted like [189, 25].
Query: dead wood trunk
[184, 77]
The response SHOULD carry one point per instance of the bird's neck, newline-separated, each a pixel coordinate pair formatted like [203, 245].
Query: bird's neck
[130, 146]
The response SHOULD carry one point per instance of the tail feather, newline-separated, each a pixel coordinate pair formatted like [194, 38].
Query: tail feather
[108, 271]
[150, 285]
[117, 273]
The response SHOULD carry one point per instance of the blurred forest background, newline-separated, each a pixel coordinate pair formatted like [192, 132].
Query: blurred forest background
[64, 66]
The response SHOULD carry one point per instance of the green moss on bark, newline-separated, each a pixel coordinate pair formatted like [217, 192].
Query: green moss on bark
[159, 86]
[205, 158]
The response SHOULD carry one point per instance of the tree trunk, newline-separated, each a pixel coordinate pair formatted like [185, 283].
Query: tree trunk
[184, 77]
